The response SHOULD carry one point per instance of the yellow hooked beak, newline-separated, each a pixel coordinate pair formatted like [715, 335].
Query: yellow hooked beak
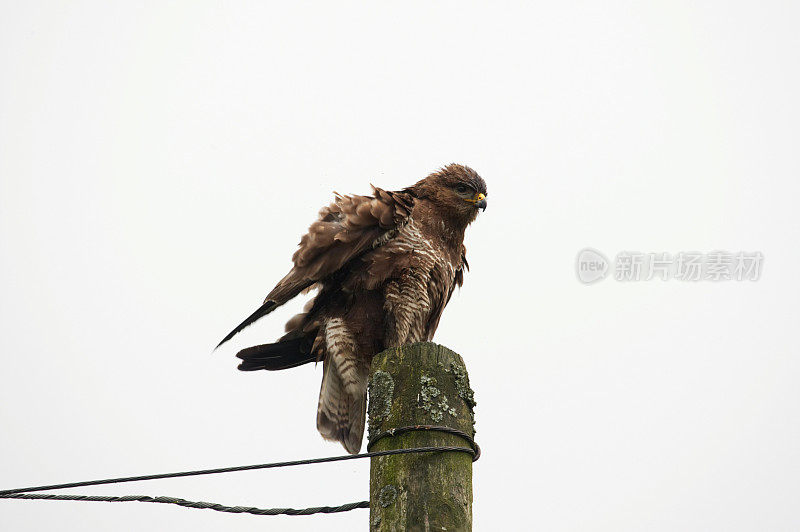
[479, 200]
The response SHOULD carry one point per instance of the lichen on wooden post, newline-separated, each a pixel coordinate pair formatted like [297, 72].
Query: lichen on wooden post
[420, 384]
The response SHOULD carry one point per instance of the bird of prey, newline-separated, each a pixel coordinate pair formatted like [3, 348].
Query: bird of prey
[384, 267]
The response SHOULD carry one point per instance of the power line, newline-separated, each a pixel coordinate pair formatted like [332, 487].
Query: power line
[25, 493]
[237, 468]
[192, 504]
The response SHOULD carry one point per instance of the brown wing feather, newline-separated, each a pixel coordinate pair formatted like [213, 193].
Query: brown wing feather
[345, 229]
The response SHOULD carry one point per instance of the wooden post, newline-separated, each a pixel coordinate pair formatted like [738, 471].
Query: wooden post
[420, 384]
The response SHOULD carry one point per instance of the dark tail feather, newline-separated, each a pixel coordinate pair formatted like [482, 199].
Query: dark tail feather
[281, 355]
[262, 311]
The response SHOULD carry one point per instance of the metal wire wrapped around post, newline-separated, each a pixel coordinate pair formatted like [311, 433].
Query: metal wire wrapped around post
[419, 395]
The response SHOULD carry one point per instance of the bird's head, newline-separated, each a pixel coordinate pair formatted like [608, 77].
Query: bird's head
[457, 191]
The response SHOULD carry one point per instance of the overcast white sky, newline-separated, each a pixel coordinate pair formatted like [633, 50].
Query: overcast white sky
[159, 162]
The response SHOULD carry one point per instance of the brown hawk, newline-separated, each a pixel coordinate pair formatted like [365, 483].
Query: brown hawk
[384, 266]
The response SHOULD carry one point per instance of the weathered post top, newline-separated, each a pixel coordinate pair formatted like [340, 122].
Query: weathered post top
[420, 384]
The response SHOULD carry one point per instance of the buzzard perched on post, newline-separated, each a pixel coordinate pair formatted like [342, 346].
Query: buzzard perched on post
[385, 266]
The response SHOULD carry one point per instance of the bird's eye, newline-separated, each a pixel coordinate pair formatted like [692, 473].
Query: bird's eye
[461, 189]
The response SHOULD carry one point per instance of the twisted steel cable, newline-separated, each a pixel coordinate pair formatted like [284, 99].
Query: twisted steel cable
[25, 493]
